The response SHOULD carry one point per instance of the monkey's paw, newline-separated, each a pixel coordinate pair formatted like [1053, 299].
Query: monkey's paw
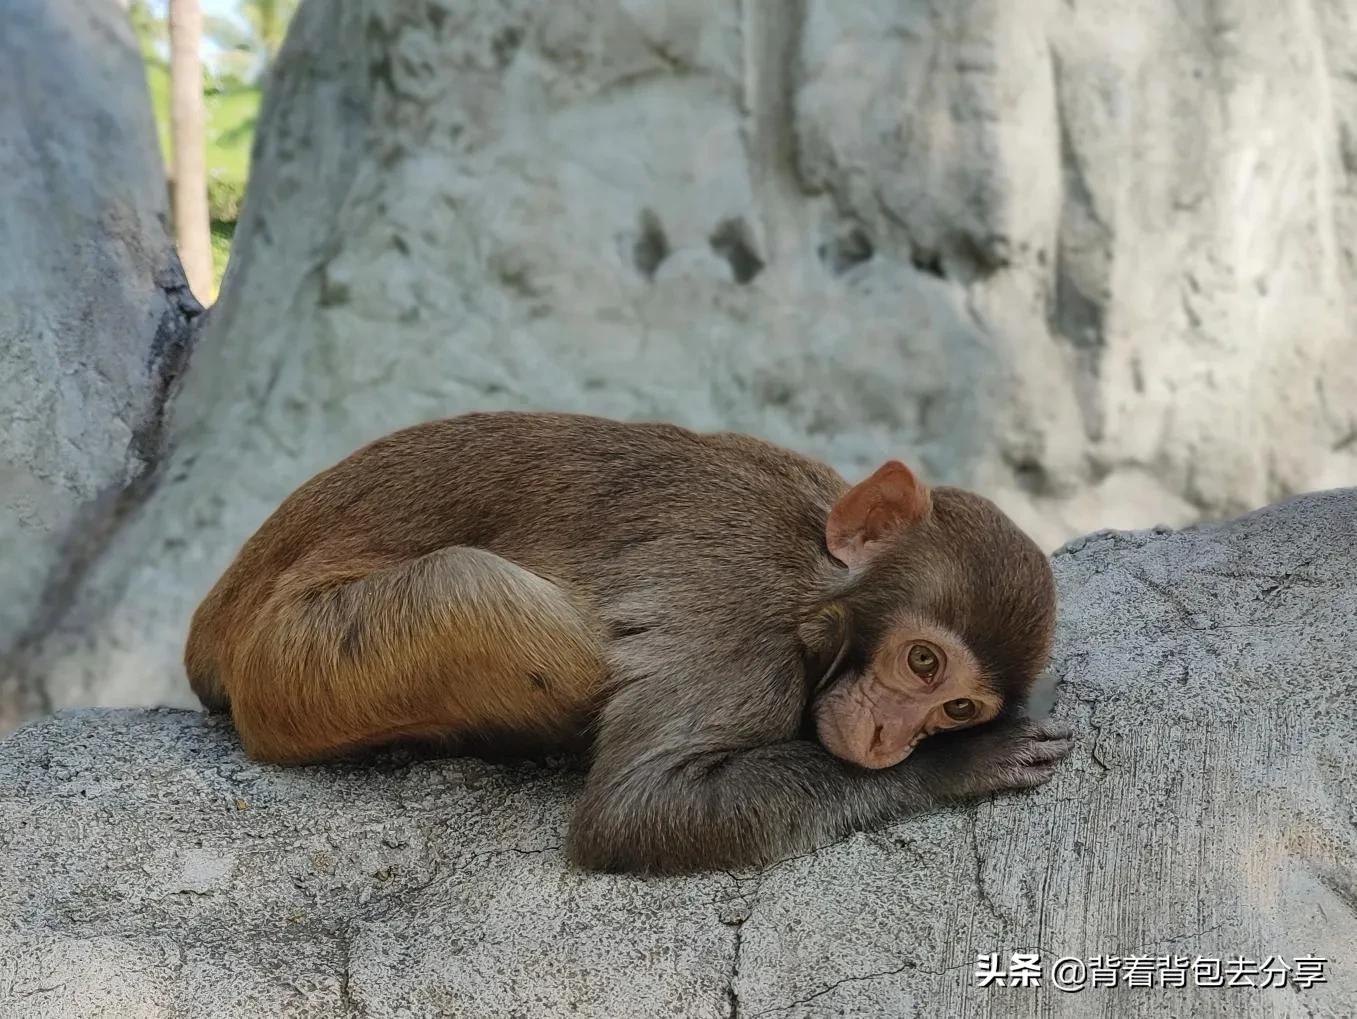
[1031, 753]
[1018, 754]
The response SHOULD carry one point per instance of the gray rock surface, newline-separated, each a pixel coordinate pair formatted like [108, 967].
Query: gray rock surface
[93, 306]
[146, 868]
[1093, 258]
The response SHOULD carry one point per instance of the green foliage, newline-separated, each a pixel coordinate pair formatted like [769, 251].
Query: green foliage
[222, 234]
[241, 49]
[158, 81]
[151, 31]
[224, 196]
[247, 45]
[231, 117]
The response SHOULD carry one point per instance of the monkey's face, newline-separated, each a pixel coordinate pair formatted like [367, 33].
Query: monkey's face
[944, 619]
[920, 679]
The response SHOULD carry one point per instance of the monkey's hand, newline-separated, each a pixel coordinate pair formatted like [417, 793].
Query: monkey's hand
[1018, 753]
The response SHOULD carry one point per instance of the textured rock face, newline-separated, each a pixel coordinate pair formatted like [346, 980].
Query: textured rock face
[1093, 259]
[93, 314]
[146, 868]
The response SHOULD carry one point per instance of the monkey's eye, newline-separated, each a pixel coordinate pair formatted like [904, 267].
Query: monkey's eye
[922, 661]
[960, 710]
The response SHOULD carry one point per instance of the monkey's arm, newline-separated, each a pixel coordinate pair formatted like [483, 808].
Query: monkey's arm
[665, 800]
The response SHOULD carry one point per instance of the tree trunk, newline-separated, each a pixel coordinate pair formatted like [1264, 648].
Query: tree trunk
[191, 227]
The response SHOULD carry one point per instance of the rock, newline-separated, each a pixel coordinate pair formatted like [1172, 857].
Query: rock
[1094, 260]
[94, 310]
[147, 868]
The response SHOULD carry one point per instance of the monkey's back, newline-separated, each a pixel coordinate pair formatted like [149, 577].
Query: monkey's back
[641, 525]
[559, 493]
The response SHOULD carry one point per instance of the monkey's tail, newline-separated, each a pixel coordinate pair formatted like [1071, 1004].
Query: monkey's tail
[209, 691]
[200, 664]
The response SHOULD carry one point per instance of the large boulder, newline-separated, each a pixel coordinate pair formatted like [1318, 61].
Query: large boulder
[1094, 259]
[147, 868]
[94, 309]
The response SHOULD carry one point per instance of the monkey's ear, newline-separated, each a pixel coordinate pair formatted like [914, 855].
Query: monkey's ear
[874, 510]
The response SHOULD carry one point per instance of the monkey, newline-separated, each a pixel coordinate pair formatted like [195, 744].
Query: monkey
[755, 656]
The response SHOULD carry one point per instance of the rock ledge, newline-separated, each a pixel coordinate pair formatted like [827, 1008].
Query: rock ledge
[148, 869]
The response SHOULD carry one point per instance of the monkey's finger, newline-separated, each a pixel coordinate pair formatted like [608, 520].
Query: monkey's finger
[1044, 750]
[1030, 776]
[1050, 728]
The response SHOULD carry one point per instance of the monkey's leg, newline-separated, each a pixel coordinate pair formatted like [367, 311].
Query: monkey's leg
[670, 798]
[456, 643]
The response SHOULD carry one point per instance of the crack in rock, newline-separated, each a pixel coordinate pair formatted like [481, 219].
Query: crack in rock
[851, 979]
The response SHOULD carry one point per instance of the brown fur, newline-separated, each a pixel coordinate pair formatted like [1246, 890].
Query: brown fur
[564, 578]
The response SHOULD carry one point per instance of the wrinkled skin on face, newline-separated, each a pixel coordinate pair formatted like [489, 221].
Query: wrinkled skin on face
[921, 680]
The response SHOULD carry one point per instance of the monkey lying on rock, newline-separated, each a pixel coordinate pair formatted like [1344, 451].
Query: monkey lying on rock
[752, 649]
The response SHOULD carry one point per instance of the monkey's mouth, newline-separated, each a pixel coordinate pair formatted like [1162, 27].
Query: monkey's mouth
[863, 738]
[878, 741]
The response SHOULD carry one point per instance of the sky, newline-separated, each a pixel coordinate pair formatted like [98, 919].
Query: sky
[211, 8]
[219, 8]
[228, 9]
